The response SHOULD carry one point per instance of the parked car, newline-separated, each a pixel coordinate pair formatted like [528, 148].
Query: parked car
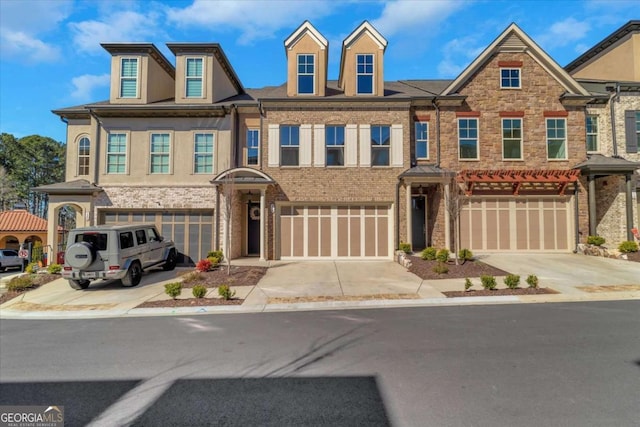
[115, 252]
[10, 259]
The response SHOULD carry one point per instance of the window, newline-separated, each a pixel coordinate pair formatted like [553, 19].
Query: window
[289, 145]
[194, 78]
[253, 146]
[592, 133]
[510, 78]
[306, 74]
[512, 139]
[203, 153]
[126, 240]
[380, 142]
[160, 152]
[334, 142]
[83, 156]
[117, 153]
[422, 140]
[468, 138]
[556, 139]
[364, 74]
[129, 77]
[141, 237]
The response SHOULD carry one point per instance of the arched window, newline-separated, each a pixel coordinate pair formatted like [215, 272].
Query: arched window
[83, 156]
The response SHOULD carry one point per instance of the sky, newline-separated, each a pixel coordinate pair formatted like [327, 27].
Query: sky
[51, 58]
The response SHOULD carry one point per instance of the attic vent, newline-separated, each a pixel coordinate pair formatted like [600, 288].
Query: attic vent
[513, 43]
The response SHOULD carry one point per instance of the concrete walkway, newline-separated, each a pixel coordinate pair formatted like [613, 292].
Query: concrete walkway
[313, 285]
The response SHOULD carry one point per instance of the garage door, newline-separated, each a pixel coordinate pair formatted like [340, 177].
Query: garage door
[522, 224]
[354, 231]
[191, 230]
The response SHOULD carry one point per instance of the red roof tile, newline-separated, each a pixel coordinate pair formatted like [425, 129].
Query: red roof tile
[21, 220]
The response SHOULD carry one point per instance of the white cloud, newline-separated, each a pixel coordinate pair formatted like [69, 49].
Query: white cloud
[24, 25]
[409, 16]
[457, 55]
[85, 85]
[563, 33]
[255, 19]
[121, 26]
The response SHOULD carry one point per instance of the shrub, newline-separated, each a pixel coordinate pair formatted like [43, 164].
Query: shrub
[203, 265]
[595, 240]
[465, 254]
[512, 281]
[192, 276]
[440, 268]
[20, 283]
[405, 247]
[467, 284]
[32, 268]
[225, 292]
[54, 269]
[173, 289]
[488, 282]
[628, 246]
[199, 291]
[532, 281]
[214, 260]
[217, 254]
[443, 255]
[428, 254]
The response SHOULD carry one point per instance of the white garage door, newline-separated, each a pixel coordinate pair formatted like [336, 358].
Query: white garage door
[522, 224]
[353, 231]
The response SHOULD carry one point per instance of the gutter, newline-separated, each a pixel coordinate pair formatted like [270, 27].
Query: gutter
[612, 100]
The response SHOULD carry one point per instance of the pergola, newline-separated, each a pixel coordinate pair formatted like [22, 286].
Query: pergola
[517, 181]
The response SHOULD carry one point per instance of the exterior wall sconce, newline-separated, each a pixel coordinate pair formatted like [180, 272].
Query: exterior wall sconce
[272, 207]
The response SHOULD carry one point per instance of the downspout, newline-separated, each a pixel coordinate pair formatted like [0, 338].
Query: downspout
[435, 105]
[260, 142]
[97, 151]
[576, 213]
[612, 99]
[217, 218]
[236, 136]
[397, 242]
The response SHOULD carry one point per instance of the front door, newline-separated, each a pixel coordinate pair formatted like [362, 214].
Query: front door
[253, 228]
[418, 228]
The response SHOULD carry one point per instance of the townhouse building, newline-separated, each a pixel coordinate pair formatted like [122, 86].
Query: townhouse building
[332, 169]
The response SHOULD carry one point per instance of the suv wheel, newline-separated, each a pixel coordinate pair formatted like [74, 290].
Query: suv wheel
[79, 284]
[171, 261]
[134, 275]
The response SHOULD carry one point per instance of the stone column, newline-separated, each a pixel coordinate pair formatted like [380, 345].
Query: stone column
[592, 205]
[263, 212]
[629, 206]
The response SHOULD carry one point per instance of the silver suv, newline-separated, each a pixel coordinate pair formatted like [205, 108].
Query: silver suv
[115, 252]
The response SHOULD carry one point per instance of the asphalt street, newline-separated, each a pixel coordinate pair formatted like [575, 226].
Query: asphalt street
[575, 364]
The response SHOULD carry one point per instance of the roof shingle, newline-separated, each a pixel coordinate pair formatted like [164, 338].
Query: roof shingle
[21, 220]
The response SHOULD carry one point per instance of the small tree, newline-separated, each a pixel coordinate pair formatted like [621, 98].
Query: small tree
[228, 191]
[454, 201]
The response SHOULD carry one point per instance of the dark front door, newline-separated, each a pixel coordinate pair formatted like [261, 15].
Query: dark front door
[253, 229]
[418, 228]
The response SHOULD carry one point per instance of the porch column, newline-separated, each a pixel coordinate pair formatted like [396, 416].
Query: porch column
[629, 206]
[592, 205]
[409, 227]
[447, 218]
[262, 224]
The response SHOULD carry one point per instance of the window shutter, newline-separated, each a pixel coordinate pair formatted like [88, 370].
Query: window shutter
[351, 145]
[396, 145]
[305, 145]
[365, 145]
[631, 136]
[274, 146]
[318, 145]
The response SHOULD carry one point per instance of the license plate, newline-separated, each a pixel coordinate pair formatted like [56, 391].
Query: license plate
[89, 275]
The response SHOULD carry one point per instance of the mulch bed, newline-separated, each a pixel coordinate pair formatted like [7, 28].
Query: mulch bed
[191, 302]
[424, 269]
[633, 256]
[239, 276]
[499, 292]
[38, 280]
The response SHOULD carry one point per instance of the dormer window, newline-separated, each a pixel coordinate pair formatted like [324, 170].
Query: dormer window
[306, 74]
[510, 78]
[364, 74]
[129, 78]
[193, 76]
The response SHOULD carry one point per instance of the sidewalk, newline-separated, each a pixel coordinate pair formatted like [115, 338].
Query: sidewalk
[302, 286]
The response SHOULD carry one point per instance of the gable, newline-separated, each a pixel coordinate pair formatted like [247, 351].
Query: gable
[619, 61]
[513, 39]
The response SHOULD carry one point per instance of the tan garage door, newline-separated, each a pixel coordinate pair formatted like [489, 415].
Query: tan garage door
[354, 231]
[522, 224]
